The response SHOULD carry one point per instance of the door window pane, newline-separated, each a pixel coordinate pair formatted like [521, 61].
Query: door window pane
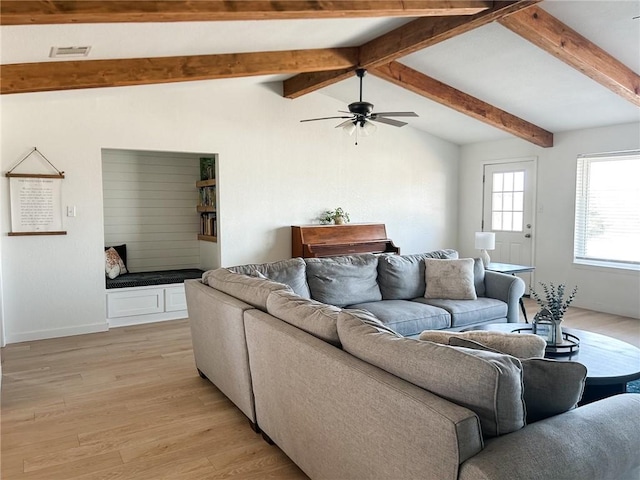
[507, 200]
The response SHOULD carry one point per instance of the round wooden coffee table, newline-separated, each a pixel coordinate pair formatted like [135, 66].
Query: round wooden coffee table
[610, 363]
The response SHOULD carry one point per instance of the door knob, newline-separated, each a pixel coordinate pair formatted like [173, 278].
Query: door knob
[528, 225]
[527, 235]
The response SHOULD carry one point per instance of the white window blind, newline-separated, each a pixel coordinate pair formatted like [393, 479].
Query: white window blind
[607, 229]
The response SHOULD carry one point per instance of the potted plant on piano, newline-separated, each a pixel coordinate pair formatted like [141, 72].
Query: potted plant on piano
[337, 216]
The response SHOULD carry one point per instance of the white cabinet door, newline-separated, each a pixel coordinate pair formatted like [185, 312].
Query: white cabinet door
[135, 302]
[175, 299]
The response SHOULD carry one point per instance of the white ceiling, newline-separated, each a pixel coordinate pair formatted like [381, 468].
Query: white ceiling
[490, 63]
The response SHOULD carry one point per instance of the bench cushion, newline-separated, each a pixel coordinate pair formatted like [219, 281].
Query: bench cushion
[145, 279]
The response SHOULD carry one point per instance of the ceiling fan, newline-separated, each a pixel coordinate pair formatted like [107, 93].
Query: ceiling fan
[361, 115]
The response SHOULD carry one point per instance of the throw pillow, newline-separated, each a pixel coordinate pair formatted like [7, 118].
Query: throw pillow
[113, 264]
[122, 251]
[516, 344]
[551, 387]
[489, 384]
[344, 280]
[450, 279]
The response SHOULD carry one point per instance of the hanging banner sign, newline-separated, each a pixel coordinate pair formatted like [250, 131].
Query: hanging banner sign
[36, 205]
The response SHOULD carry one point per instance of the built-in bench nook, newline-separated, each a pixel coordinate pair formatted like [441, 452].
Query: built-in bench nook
[144, 297]
[153, 221]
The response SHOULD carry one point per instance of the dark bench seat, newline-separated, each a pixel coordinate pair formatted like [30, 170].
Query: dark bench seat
[145, 279]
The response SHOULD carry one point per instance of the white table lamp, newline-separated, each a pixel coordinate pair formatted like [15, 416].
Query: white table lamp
[485, 241]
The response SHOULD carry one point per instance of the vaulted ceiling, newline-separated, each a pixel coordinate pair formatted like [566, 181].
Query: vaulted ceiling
[473, 70]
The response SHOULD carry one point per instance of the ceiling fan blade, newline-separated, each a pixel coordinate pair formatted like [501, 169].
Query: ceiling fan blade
[395, 114]
[323, 118]
[388, 121]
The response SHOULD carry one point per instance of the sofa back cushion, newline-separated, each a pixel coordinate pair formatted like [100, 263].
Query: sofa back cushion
[315, 318]
[291, 272]
[488, 383]
[401, 277]
[251, 290]
[344, 280]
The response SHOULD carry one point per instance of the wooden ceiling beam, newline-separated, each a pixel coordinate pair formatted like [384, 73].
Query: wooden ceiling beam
[558, 39]
[437, 91]
[404, 40]
[48, 76]
[42, 12]
[428, 31]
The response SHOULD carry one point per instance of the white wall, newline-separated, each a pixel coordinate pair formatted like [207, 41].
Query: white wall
[607, 290]
[273, 172]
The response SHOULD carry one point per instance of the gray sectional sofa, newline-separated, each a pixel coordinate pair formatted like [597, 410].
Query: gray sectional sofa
[316, 353]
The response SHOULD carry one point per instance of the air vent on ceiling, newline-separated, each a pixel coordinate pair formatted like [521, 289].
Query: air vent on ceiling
[69, 52]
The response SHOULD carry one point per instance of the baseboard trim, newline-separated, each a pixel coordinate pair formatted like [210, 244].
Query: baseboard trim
[56, 333]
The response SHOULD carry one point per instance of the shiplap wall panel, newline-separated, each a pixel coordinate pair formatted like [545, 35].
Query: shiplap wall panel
[149, 204]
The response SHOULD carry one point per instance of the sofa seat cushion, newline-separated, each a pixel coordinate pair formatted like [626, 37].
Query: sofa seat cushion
[251, 290]
[406, 317]
[291, 272]
[401, 277]
[488, 383]
[344, 280]
[469, 312]
[315, 318]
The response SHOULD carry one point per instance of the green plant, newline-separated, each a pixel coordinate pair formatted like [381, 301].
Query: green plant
[554, 300]
[329, 216]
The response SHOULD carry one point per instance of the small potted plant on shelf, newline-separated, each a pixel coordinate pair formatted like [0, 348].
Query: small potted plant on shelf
[337, 216]
[553, 309]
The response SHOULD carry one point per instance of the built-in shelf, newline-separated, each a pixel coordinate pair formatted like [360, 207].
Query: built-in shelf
[207, 238]
[206, 183]
[206, 208]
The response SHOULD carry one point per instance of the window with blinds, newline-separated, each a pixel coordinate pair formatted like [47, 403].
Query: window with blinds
[607, 229]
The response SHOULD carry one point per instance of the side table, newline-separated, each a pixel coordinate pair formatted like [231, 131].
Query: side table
[512, 269]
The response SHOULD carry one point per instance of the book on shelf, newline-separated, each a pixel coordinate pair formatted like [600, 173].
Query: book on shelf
[207, 196]
[208, 224]
[207, 168]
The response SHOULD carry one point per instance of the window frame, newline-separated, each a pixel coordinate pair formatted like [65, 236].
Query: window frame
[583, 170]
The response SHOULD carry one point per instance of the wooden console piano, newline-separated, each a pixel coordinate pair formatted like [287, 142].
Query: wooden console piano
[329, 240]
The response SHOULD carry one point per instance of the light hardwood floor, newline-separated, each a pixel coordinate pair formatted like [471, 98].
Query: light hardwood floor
[129, 404]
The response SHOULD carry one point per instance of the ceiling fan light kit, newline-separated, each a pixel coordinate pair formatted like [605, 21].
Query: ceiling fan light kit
[361, 115]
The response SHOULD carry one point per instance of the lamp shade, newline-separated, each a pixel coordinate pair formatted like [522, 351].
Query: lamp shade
[485, 240]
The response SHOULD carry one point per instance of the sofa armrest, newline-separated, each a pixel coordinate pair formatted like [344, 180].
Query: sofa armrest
[336, 416]
[219, 344]
[599, 440]
[507, 288]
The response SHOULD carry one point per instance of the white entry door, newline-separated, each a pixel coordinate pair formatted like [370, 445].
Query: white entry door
[508, 203]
